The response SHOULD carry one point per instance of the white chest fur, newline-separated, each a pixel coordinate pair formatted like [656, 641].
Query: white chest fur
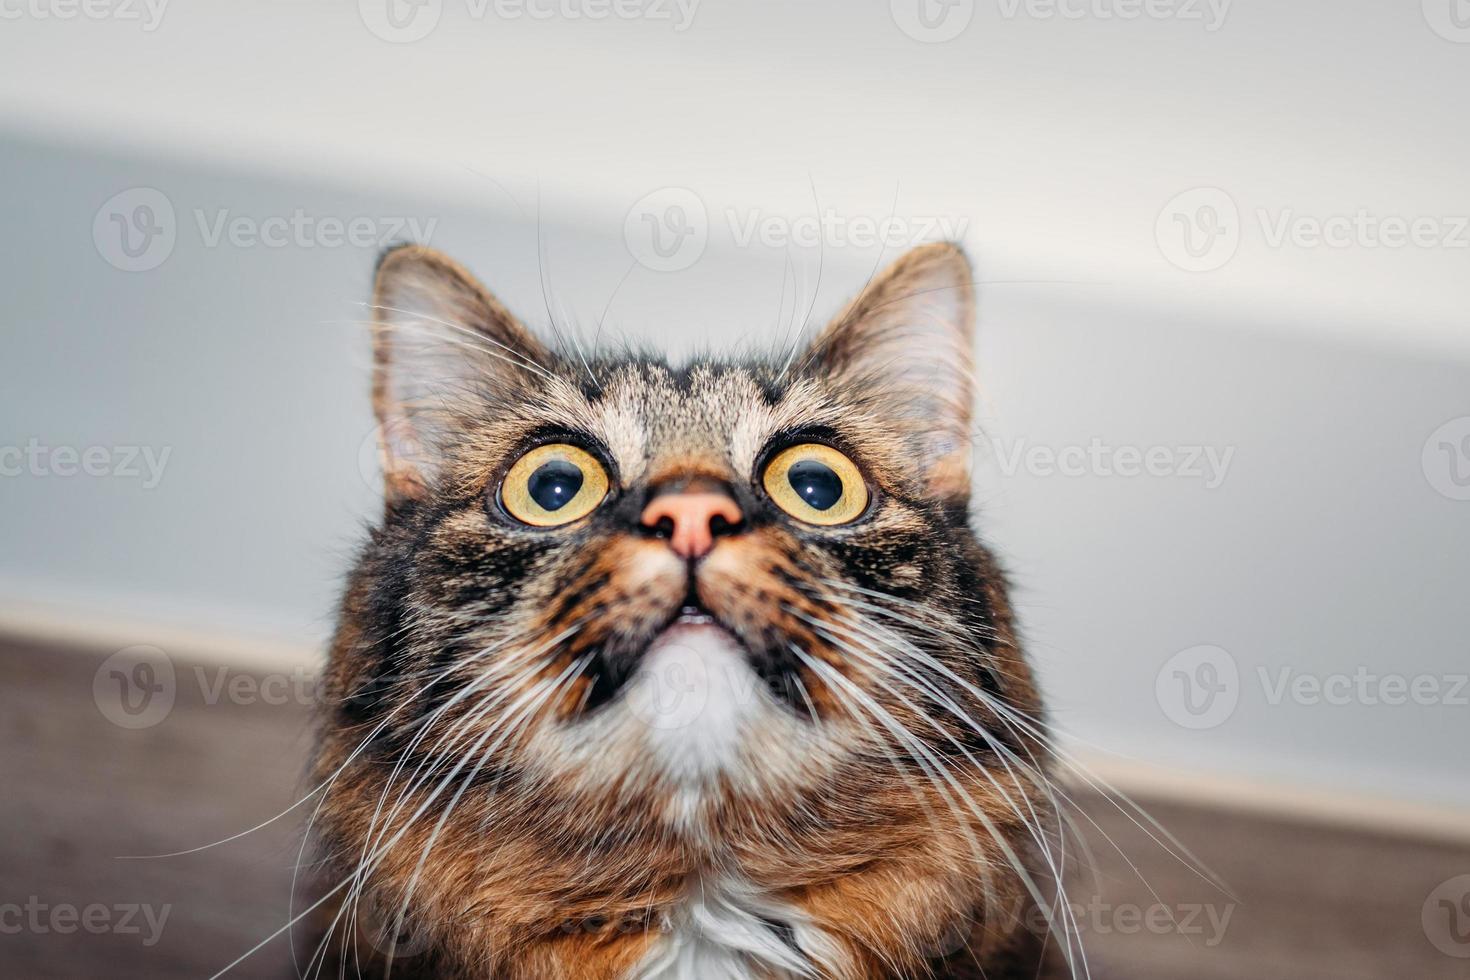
[723, 931]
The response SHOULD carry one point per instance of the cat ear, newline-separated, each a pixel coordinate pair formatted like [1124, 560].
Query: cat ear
[904, 347]
[441, 342]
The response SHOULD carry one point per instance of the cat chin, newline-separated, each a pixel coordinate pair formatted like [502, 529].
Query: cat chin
[694, 719]
[697, 701]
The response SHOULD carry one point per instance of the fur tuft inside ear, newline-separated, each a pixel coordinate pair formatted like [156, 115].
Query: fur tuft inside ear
[440, 340]
[905, 346]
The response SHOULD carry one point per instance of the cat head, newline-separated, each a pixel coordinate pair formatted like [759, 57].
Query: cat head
[729, 615]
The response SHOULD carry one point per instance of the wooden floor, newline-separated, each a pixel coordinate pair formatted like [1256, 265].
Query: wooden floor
[81, 793]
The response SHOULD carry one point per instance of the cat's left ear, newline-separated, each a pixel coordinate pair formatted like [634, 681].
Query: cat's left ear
[442, 346]
[904, 346]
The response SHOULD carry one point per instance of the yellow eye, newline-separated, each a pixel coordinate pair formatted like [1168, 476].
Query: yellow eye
[816, 484]
[553, 485]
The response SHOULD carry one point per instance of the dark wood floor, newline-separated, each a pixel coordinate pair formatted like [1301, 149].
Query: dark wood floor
[80, 792]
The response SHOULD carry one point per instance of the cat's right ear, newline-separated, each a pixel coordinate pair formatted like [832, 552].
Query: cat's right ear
[441, 342]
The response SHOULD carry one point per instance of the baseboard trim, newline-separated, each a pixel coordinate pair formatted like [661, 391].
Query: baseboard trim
[81, 627]
[1322, 805]
[85, 629]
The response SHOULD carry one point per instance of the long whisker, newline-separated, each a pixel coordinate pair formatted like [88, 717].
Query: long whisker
[1034, 729]
[439, 751]
[1013, 718]
[484, 677]
[1033, 825]
[1003, 710]
[572, 672]
[355, 879]
[832, 676]
[854, 697]
[434, 678]
[366, 864]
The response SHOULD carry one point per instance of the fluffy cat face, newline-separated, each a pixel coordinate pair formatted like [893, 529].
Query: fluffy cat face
[633, 634]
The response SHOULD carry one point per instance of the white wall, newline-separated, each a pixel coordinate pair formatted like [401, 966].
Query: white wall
[1330, 548]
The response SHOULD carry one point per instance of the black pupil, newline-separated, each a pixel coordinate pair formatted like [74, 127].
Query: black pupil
[816, 483]
[554, 484]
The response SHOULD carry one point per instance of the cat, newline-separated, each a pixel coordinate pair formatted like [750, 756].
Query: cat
[697, 672]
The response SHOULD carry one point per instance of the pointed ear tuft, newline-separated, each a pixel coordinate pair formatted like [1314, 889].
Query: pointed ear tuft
[904, 345]
[441, 342]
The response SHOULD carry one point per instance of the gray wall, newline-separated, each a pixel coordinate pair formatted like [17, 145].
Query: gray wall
[1327, 548]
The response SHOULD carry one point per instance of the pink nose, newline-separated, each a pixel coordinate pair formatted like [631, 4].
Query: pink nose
[692, 520]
